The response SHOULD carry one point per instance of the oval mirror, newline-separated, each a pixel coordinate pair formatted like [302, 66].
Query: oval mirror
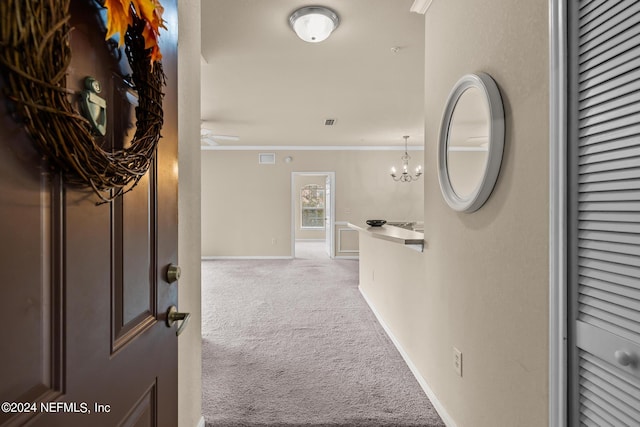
[471, 142]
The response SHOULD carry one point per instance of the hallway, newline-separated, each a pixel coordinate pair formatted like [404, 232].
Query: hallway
[292, 342]
[311, 249]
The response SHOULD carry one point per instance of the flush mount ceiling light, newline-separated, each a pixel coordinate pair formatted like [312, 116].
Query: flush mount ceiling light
[314, 24]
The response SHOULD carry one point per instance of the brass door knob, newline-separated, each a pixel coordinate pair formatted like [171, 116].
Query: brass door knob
[173, 273]
[173, 316]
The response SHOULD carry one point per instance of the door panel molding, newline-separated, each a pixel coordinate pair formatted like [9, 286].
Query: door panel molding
[124, 329]
[40, 318]
[144, 411]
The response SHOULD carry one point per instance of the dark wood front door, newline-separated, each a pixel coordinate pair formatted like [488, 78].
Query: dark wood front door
[84, 292]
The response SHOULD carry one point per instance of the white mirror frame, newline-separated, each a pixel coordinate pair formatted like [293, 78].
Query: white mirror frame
[479, 196]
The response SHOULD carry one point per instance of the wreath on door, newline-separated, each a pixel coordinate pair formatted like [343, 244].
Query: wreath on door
[34, 56]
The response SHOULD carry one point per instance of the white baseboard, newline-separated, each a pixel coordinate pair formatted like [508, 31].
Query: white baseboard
[347, 257]
[425, 387]
[213, 258]
[208, 258]
[201, 423]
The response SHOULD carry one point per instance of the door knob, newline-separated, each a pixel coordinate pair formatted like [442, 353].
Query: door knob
[173, 273]
[623, 357]
[173, 316]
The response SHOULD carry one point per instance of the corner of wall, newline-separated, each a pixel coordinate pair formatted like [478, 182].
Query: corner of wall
[189, 228]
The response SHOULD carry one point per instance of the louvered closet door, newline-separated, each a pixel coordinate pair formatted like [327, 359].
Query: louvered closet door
[604, 227]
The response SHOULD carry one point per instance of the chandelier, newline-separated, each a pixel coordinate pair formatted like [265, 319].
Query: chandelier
[405, 176]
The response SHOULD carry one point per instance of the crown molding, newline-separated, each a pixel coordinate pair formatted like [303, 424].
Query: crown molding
[420, 6]
[263, 148]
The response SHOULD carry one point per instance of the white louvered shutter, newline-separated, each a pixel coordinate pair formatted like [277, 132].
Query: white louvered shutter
[606, 225]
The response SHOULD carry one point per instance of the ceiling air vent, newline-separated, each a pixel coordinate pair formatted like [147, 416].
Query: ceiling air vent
[329, 122]
[267, 158]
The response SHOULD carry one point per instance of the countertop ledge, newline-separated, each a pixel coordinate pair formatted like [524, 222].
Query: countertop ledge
[409, 238]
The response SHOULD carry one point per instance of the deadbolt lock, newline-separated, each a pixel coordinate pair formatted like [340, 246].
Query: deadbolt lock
[173, 273]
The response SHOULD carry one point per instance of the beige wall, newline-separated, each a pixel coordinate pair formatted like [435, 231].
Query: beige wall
[245, 206]
[189, 342]
[488, 271]
[299, 181]
[484, 286]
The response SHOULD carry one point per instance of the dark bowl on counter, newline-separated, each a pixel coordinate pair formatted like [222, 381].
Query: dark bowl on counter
[376, 222]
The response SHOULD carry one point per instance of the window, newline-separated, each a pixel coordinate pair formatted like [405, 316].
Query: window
[312, 206]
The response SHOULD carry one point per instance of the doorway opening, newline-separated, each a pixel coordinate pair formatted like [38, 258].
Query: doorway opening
[312, 214]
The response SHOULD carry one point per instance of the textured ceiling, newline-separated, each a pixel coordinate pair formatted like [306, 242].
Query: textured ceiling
[263, 84]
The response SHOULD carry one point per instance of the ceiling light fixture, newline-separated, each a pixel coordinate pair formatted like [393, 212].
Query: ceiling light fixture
[314, 24]
[405, 176]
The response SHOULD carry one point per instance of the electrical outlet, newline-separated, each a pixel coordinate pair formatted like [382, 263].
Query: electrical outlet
[274, 241]
[457, 361]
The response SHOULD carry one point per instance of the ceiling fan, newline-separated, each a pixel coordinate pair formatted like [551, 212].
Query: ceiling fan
[208, 137]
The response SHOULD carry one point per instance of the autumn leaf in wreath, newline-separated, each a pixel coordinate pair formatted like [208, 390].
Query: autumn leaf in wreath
[151, 11]
[120, 16]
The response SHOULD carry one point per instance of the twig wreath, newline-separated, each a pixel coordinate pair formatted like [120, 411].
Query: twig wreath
[34, 56]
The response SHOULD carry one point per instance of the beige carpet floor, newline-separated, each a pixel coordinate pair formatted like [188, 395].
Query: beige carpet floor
[293, 343]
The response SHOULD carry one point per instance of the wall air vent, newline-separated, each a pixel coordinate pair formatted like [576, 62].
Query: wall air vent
[267, 158]
[329, 122]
